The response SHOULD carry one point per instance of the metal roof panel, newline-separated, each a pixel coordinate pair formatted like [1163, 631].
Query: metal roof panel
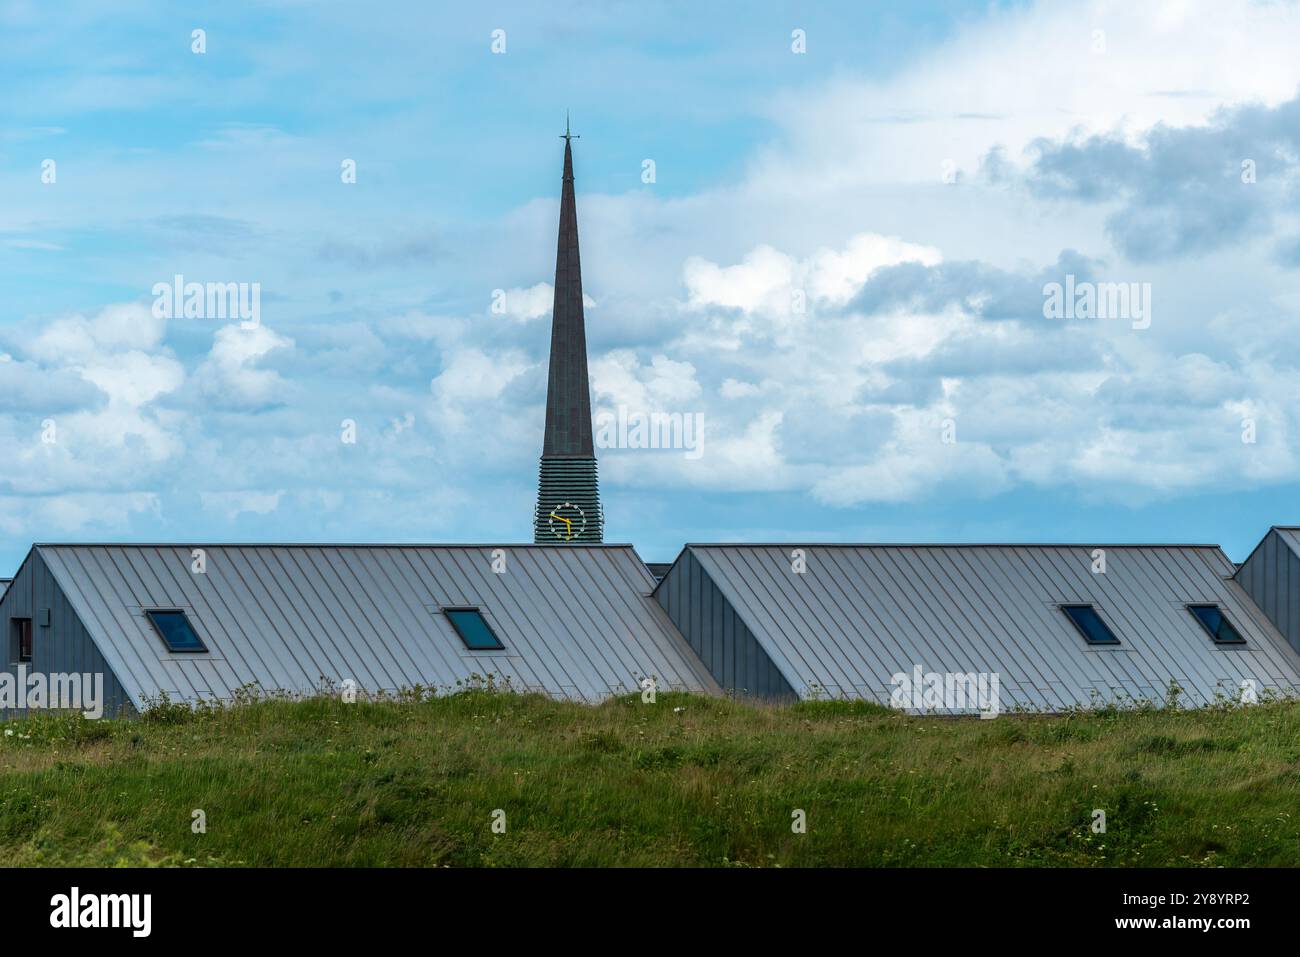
[575, 619]
[862, 613]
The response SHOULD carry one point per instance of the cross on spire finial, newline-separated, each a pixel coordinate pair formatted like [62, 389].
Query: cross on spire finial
[566, 135]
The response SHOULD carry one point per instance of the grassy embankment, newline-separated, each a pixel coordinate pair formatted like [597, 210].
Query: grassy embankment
[685, 781]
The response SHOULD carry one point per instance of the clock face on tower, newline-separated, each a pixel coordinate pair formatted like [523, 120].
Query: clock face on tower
[567, 521]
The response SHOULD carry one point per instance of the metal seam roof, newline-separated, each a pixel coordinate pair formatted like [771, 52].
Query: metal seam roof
[862, 613]
[1290, 535]
[576, 620]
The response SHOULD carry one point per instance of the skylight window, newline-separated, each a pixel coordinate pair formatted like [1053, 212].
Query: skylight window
[1216, 623]
[1094, 630]
[473, 630]
[175, 630]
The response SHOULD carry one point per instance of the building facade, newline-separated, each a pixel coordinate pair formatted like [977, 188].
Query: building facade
[1060, 626]
[209, 622]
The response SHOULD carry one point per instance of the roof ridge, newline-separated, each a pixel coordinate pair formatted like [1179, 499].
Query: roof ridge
[203, 544]
[798, 544]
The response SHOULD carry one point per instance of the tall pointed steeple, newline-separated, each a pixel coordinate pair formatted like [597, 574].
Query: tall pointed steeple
[568, 495]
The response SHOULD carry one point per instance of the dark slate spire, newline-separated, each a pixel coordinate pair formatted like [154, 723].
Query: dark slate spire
[568, 399]
[568, 494]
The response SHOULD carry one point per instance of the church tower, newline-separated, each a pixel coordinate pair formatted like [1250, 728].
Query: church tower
[568, 493]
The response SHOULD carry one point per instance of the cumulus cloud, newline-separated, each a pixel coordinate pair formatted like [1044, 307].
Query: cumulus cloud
[1024, 73]
[231, 375]
[526, 304]
[619, 378]
[128, 327]
[920, 377]
[913, 463]
[103, 433]
[976, 287]
[534, 302]
[471, 381]
[1178, 191]
[769, 281]
[30, 387]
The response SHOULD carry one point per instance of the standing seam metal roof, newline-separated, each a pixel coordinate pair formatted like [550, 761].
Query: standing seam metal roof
[577, 621]
[861, 613]
[1290, 535]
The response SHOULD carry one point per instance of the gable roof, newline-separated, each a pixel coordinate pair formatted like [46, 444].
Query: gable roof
[861, 613]
[1290, 535]
[576, 620]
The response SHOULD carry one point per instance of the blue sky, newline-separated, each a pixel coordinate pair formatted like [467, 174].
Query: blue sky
[915, 178]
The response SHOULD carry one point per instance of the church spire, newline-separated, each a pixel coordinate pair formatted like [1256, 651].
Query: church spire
[568, 498]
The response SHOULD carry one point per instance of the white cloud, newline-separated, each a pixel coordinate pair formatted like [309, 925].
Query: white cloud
[232, 504]
[735, 389]
[762, 281]
[470, 382]
[230, 375]
[534, 302]
[116, 433]
[836, 276]
[526, 304]
[1024, 73]
[619, 378]
[776, 291]
[133, 379]
[45, 517]
[1132, 416]
[114, 329]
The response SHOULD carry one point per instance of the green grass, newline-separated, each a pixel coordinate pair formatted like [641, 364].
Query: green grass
[686, 781]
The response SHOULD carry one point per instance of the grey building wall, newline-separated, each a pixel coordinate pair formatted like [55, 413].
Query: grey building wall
[1271, 576]
[716, 633]
[63, 646]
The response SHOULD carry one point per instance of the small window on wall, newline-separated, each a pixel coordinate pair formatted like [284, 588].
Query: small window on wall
[1216, 623]
[175, 630]
[22, 629]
